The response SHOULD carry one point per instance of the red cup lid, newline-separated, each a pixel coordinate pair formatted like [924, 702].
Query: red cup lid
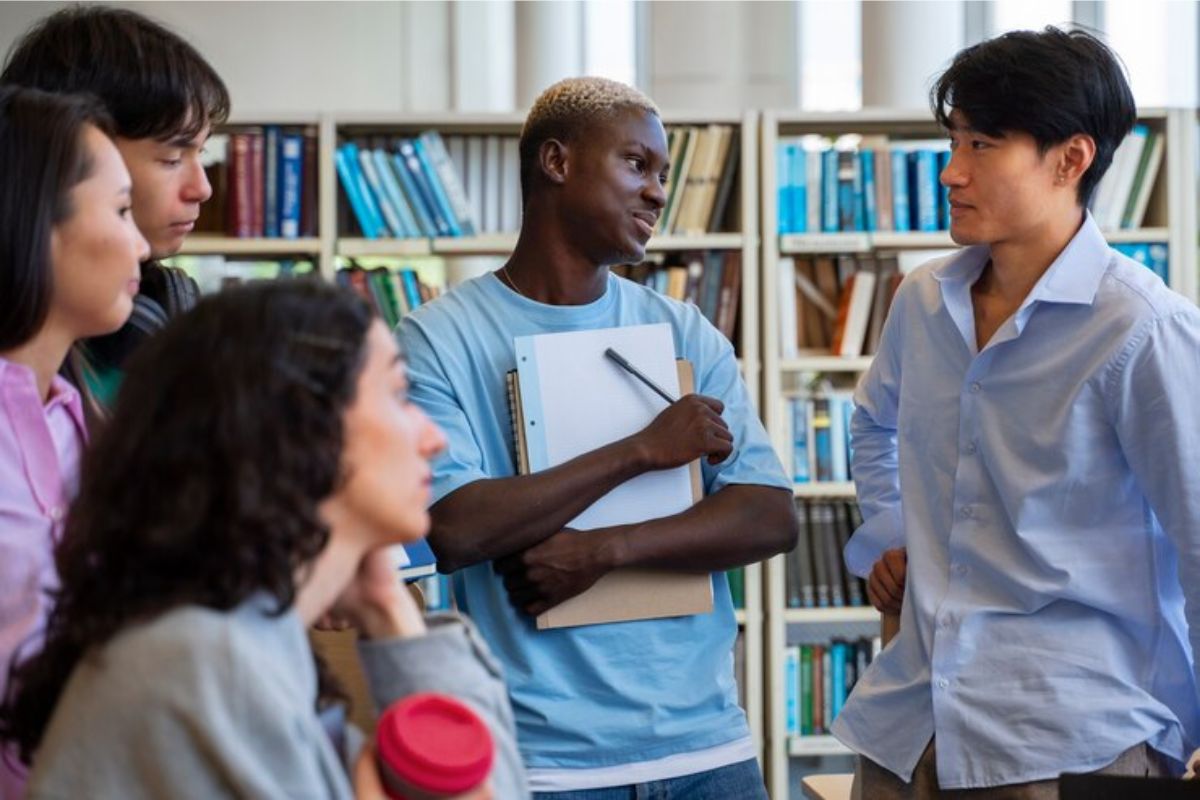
[435, 743]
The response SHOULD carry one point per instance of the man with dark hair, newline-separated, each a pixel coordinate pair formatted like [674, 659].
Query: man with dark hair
[164, 99]
[1023, 448]
[647, 707]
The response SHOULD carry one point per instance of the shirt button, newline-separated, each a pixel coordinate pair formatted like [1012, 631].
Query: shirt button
[56, 513]
[967, 513]
[975, 387]
[961, 569]
[971, 448]
[942, 683]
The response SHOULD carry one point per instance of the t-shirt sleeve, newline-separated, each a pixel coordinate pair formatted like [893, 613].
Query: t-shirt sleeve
[430, 388]
[753, 460]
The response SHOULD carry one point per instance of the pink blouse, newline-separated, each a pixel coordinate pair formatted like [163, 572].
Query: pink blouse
[40, 448]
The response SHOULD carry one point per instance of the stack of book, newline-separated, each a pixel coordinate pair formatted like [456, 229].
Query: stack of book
[711, 280]
[815, 573]
[861, 183]
[817, 680]
[704, 165]
[264, 181]
[835, 304]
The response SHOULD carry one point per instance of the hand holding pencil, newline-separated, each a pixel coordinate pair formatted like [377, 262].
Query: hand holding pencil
[689, 428]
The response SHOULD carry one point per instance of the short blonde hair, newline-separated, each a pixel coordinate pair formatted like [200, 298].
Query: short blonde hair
[569, 107]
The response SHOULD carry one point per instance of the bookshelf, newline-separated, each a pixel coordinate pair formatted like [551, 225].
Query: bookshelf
[1170, 220]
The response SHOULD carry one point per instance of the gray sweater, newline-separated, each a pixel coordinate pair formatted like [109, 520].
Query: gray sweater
[205, 704]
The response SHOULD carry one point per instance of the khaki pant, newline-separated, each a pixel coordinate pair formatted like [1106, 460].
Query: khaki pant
[873, 782]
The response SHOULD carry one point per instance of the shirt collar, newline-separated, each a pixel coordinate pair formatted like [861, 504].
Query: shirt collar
[19, 378]
[1073, 277]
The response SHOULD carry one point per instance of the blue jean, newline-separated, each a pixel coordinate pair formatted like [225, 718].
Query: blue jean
[742, 781]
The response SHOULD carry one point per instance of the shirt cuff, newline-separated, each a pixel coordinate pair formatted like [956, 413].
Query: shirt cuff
[883, 531]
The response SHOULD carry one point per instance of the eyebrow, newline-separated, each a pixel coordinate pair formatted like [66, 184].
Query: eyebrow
[184, 142]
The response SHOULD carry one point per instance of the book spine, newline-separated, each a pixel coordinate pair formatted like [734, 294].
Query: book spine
[925, 181]
[346, 162]
[271, 155]
[866, 168]
[829, 191]
[291, 181]
[257, 169]
[901, 208]
[798, 181]
[309, 206]
[240, 220]
[449, 181]
[420, 183]
[806, 690]
[391, 187]
[791, 690]
[783, 172]
[436, 188]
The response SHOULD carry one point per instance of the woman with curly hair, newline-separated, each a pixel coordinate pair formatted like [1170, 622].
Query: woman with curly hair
[262, 453]
[69, 252]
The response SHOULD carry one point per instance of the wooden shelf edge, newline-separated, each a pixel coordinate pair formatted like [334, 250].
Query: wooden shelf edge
[815, 616]
[816, 746]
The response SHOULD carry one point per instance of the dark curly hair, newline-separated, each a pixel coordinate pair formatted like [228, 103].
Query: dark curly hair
[205, 487]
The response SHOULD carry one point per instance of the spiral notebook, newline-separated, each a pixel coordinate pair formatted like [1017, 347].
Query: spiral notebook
[566, 398]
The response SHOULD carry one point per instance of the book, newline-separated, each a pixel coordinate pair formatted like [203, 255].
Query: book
[569, 399]
[414, 560]
[291, 183]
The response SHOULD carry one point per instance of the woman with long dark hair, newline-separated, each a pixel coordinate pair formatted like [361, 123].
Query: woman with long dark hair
[69, 253]
[261, 456]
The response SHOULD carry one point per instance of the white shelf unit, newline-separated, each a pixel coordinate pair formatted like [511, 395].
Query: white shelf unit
[1172, 220]
[744, 240]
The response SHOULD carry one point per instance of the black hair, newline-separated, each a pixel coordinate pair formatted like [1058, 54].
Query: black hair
[43, 155]
[205, 488]
[1051, 84]
[153, 83]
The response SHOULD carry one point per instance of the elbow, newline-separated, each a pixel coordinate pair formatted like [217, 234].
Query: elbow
[782, 528]
[451, 557]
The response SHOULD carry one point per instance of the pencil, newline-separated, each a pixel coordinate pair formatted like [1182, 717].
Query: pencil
[635, 372]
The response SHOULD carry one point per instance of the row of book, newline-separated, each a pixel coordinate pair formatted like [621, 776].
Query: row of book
[817, 680]
[264, 183]
[861, 183]
[1123, 194]
[815, 576]
[712, 280]
[391, 291]
[703, 172]
[404, 188]
[836, 303]
[816, 425]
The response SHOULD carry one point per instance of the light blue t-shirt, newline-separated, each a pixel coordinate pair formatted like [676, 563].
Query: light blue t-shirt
[598, 695]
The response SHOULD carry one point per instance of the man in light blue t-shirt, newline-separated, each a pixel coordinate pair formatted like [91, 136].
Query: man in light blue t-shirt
[602, 710]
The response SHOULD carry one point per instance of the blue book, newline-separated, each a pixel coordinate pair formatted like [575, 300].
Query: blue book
[408, 185]
[390, 216]
[829, 191]
[354, 185]
[783, 174]
[412, 162]
[391, 188]
[791, 690]
[799, 188]
[412, 291]
[901, 209]
[848, 411]
[800, 472]
[837, 665]
[433, 153]
[435, 185]
[943, 160]
[821, 442]
[839, 470]
[421, 561]
[291, 179]
[866, 168]
[924, 189]
[271, 181]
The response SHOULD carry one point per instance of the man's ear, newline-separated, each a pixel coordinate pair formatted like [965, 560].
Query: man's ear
[553, 156]
[1075, 155]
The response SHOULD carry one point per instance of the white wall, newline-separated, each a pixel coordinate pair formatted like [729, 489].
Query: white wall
[281, 57]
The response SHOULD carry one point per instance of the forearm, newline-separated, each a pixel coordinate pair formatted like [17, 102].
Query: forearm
[877, 483]
[739, 525]
[490, 519]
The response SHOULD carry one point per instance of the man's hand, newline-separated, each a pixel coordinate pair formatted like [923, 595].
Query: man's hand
[688, 429]
[557, 568]
[885, 586]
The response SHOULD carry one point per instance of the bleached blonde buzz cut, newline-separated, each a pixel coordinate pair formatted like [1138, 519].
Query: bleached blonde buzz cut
[569, 107]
